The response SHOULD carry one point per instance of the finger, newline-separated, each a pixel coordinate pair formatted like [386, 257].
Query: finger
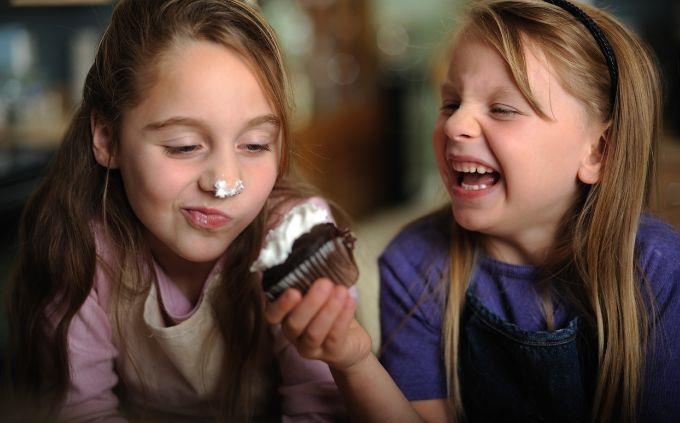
[318, 328]
[276, 311]
[298, 319]
[338, 331]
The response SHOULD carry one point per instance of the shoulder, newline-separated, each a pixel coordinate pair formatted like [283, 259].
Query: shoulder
[656, 234]
[658, 250]
[412, 302]
[413, 267]
[658, 254]
[105, 269]
[422, 243]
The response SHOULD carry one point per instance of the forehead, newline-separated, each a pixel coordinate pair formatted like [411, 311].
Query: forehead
[205, 78]
[471, 55]
[476, 65]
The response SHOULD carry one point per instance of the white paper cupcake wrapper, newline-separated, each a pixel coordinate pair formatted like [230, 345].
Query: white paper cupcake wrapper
[323, 263]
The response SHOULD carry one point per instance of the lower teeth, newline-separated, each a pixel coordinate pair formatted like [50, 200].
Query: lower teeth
[473, 187]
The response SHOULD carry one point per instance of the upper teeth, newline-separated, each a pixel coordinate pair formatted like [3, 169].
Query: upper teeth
[471, 168]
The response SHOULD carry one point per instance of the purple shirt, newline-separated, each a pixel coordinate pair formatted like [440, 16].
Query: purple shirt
[411, 271]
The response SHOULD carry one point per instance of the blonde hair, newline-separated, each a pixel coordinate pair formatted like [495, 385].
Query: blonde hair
[55, 268]
[596, 250]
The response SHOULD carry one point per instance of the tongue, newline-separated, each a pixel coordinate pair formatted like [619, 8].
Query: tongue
[479, 179]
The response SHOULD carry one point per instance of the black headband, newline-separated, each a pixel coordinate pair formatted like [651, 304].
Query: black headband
[599, 37]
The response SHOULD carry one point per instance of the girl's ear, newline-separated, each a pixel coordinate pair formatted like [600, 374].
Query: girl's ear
[102, 142]
[589, 170]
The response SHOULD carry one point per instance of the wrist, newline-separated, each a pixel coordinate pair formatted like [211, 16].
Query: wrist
[357, 367]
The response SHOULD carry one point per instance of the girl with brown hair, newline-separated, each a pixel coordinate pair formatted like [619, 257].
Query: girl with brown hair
[544, 292]
[132, 296]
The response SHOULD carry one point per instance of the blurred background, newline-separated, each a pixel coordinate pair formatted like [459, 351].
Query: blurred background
[366, 103]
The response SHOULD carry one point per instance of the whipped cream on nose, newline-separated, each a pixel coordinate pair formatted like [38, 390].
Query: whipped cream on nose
[222, 189]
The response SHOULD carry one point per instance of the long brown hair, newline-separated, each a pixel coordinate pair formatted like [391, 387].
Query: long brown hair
[596, 249]
[56, 264]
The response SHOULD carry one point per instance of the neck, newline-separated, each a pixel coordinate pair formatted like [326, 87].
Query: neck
[527, 248]
[188, 276]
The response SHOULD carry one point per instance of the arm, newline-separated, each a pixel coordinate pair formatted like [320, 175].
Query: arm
[435, 410]
[321, 326]
[307, 389]
[373, 396]
[659, 399]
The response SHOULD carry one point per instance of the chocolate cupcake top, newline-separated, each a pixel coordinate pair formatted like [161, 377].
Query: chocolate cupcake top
[305, 246]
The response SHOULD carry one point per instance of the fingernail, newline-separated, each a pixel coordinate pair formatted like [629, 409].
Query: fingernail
[340, 293]
[289, 294]
[325, 287]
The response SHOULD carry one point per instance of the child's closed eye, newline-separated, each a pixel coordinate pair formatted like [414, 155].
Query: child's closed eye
[181, 149]
[255, 148]
[502, 110]
[449, 107]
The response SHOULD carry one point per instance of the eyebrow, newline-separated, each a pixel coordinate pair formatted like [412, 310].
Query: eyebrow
[496, 91]
[503, 91]
[268, 119]
[446, 86]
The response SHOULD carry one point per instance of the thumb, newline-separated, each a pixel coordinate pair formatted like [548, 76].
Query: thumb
[276, 311]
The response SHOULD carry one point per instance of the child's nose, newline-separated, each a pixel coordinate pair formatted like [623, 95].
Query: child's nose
[462, 125]
[223, 167]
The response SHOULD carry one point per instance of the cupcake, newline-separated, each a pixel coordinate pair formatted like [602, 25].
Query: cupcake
[304, 247]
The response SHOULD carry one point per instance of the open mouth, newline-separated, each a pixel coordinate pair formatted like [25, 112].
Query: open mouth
[472, 176]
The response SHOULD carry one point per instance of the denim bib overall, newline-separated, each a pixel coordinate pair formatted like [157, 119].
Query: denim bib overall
[508, 374]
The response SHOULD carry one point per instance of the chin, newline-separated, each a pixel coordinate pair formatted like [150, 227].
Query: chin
[202, 253]
[201, 257]
[470, 220]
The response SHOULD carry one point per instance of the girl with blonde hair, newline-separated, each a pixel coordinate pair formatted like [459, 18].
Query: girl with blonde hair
[545, 291]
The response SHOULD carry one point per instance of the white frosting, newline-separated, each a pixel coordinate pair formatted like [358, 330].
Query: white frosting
[279, 241]
[223, 191]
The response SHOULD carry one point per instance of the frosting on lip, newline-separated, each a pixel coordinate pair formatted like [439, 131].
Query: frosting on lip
[279, 241]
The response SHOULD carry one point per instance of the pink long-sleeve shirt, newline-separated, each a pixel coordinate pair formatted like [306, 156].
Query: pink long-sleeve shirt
[305, 388]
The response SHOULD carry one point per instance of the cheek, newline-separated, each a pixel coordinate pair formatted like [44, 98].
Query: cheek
[261, 177]
[561, 156]
[439, 140]
[151, 189]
